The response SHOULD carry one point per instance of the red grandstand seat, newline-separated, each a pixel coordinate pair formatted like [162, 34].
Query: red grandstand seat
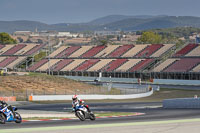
[86, 64]
[67, 52]
[185, 50]
[183, 65]
[61, 64]
[114, 65]
[37, 65]
[93, 51]
[149, 50]
[120, 51]
[141, 65]
[34, 49]
[14, 49]
[7, 61]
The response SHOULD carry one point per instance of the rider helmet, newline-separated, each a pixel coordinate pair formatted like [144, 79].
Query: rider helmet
[74, 97]
[3, 104]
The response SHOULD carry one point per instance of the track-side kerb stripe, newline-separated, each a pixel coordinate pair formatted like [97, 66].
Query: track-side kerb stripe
[136, 114]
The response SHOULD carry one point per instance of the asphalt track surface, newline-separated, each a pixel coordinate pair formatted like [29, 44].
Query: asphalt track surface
[153, 112]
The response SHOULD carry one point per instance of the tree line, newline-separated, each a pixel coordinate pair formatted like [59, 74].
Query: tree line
[5, 38]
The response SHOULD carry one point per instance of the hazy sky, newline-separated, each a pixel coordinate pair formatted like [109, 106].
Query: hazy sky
[59, 11]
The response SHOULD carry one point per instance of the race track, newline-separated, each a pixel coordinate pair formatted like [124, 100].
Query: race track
[153, 113]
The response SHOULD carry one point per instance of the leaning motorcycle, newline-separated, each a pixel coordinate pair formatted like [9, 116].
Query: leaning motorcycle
[82, 113]
[6, 115]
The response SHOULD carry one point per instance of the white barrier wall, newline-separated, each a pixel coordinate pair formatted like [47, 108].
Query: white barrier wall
[87, 97]
[191, 103]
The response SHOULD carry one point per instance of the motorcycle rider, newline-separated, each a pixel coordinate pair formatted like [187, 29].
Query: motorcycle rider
[4, 104]
[75, 99]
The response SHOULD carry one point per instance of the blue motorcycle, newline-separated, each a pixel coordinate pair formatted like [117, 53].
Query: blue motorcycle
[82, 113]
[6, 115]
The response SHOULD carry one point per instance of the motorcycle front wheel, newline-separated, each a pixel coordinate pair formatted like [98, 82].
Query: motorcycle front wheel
[92, 116]
[18, 117]
[80, 116]
[2, 119]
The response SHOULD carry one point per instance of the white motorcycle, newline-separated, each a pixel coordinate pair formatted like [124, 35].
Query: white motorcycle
[82, 113]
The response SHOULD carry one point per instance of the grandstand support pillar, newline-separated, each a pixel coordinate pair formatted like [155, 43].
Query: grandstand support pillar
[26, 64]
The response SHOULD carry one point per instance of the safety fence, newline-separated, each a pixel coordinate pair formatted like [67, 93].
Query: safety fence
[100, 90]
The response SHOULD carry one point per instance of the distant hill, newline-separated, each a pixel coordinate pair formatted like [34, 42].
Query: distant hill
[11, 26]
[133, 24]
[114, 18]
[112, 22]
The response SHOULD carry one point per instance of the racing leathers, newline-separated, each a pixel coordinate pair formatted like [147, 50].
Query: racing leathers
[80, 102]
[4, 104]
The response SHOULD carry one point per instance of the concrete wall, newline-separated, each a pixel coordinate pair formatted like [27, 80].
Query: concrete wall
[69, 97]
[182, 103]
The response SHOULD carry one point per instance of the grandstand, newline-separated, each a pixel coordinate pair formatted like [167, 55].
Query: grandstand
[108, 58]
[13, 55]
[183, 65]
[185, 60]
[154, 60]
